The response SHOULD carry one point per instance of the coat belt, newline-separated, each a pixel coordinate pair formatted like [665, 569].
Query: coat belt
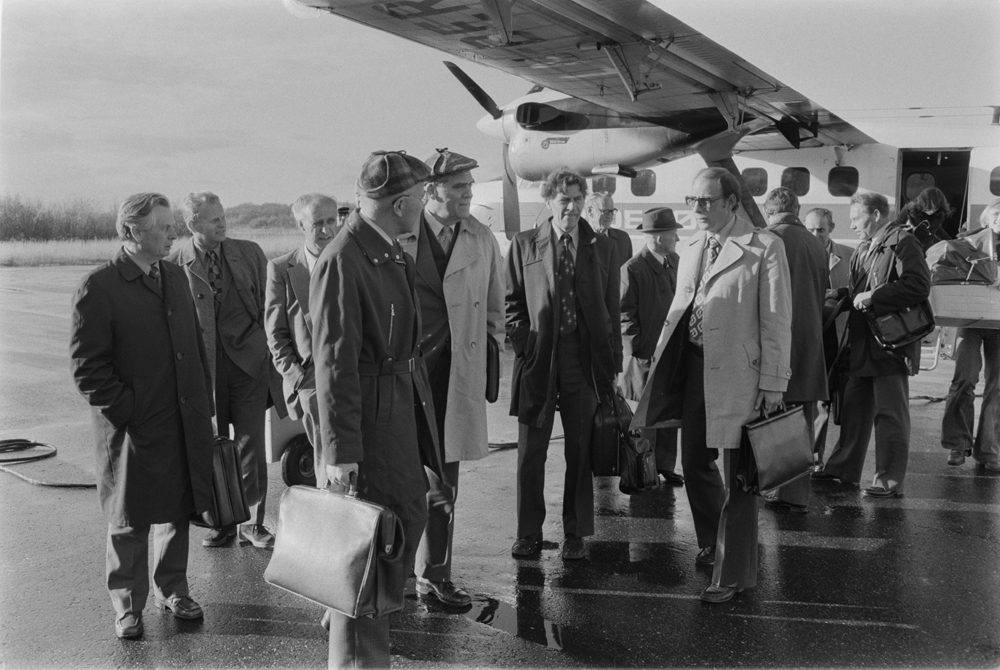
[388, 366]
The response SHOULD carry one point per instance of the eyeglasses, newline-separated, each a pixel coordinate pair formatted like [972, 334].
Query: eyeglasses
[704, 203]
[608, 212]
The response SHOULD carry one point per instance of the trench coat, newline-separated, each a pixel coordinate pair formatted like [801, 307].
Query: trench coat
[289, 326]
[532, 317]
[473, 290]
[137, 356]
[747, 330]
[647, 291]
[375, 404]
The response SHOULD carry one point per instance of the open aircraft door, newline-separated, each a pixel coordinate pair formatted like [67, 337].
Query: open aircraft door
[946, 169]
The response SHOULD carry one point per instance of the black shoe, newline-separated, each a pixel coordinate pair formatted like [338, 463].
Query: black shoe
[671, 477]
[129, 625]
[706, 556]
[445, 591]
[218, 536]
[774, 502]
[881, 492]
[526, 547]
[574, 548]
[957, 456]
[719, 594]
[823, 476]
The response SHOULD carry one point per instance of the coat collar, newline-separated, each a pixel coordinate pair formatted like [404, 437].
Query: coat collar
[740, 238]
[373, 245]
[424, 260]
[131, 272]
[298, 277]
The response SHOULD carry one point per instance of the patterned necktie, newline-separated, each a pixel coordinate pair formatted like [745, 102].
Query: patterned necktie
[215, 277]
[698, 313]
[154, 274]
[567, 298]
[444, 238]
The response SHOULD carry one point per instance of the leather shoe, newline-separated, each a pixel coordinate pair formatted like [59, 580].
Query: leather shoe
[718, 594]
[129, 625]
[257, 535]
[182, 607]
[218, 536]
[992, 466]
[528, 546]
[823, 476]
[445, 591]
[671, 477]
[881, 492]
[706, 556]
[957, 456]
[574, 548]
[774, 502]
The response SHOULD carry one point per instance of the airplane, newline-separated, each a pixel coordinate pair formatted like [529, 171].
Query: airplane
[623, 91]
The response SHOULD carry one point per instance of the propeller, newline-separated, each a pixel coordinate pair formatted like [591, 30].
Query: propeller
[481, 96]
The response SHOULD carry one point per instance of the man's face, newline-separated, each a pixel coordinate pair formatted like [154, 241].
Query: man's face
[319, 223]
[450, 198]
[993, 219]
[156, 234]
[664, 242]
[818, 225]
[566, 206]
[209, 225]
[715, 214]
[864, 223]
[602, 212]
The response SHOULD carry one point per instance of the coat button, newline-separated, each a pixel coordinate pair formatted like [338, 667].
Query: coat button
[180, 356]
[473, 345]
[183, 400]
[754, 362]
[200, 296]
[170, 312]
[666, 323]
[477, 304]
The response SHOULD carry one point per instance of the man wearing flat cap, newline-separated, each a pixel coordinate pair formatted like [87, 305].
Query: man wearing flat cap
[459, 281]
[377, 424]
[649, 280]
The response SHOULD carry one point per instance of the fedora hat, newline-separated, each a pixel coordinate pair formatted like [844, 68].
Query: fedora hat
[658, 220]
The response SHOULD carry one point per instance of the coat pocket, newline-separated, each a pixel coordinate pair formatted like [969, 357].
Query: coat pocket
[752, 349]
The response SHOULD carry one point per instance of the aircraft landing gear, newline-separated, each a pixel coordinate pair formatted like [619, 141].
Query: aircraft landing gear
[297, 462]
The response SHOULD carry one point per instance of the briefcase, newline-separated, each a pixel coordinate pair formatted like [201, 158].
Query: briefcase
[611, 421]
[774, 451]
[338, 551]
[229, 502]
[638, 464]
[492, 369]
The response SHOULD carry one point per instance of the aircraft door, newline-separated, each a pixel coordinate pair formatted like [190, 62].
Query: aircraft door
[948, 170]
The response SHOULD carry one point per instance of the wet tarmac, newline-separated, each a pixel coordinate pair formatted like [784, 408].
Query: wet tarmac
[911, 582]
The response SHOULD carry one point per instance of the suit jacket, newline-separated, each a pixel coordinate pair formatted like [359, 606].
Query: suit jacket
[839, 264]
[647, 290]
[532, 316]
[138, 357]
[622, 241]
[289, 326]
[810, 279]
[747, 331]
[472, 291]
[375, 402]
[247, 267]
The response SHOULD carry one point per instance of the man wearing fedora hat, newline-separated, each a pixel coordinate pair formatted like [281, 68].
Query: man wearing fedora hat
[376, 412]
[649, 280]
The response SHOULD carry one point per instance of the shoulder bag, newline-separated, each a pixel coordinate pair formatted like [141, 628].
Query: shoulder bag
[774, 451]
[229, 502]
[902, 327]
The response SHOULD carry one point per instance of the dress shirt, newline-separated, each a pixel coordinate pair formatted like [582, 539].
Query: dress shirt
[310, 259]
[436, 226]
[574, 237]
[143, 265]
[721, 236]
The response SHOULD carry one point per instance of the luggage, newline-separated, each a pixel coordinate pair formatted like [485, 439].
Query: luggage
[900, 328]
[610, 426]
[492, 369]
[338, 551]
[637, 465]
[229, 503]
[774, 450]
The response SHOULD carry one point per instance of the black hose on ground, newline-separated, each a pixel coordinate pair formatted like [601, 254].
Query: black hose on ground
[18, 444]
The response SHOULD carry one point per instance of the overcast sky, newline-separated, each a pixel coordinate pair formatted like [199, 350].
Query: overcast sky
[103, 98]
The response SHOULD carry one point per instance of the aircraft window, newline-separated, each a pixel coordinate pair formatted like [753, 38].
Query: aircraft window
[796, 179]
[604, 185]
[995, 181]
[917, 182]
[843, 181]
[644, 183]
[756, 180]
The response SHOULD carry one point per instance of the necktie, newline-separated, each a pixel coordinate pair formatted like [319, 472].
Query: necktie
[567, 297]
[154, 274]
[698, 313]
[444, 237]
[215, 277]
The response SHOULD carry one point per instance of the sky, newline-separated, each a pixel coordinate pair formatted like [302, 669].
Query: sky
[103, 98]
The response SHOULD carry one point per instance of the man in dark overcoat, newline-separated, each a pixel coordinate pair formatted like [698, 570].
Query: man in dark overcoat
[649, 280]
[810, 280]
[377, 421]
[563, 321]
[138, 357]
[602, 212]
[888, 273]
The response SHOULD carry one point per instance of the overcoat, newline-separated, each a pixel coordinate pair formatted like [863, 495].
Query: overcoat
[622, 241]
[747, 329]
[810, 280]
[532, 317]
[289, 326]
[647, 291]
[137, 356]
[375, 402]
[473, 291]
[839, 265]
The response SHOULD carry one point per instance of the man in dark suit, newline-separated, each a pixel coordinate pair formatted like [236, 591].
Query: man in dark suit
[227, 278]
[601, 210]
[377, 422]
[807, 264]
[563, 312]
[888, 273]
[139, 359]
[286, 315]
[649, 280]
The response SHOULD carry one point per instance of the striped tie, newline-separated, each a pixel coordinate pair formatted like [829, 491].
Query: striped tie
[698, 313]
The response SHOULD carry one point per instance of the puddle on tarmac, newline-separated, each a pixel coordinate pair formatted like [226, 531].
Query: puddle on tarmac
[525, 623]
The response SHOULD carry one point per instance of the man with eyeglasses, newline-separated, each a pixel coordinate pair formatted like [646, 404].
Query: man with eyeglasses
[286, 315]
[723, 356]
[601, 210]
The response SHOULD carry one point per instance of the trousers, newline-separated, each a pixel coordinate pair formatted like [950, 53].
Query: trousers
[127, 563]
[433, 560]
[977, 348]
[664, 444]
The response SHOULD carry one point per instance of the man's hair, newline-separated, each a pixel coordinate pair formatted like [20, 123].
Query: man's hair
[561, 180]
[306, 201]
[134, 210]
[872, 202]
[932, 201]
[194, 202]
[596, 199]
[729, 183]
[982, 216]
[781, 201]
[823, 213]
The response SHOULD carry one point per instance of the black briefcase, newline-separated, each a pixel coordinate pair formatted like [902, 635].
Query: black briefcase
[492, 369]
[774, 451]
[229, 502]
[610, 426]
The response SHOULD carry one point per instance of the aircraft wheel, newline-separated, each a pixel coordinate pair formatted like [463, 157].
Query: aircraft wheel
[297, 466]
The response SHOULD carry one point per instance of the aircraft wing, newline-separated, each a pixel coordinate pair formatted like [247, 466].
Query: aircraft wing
[626, 55]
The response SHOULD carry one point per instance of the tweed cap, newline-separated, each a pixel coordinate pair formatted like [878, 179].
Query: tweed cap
[443, 163]
[389, 173]
[658, 220]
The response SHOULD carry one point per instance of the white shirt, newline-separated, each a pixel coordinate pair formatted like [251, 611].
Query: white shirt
[574, 237]
[311, 259]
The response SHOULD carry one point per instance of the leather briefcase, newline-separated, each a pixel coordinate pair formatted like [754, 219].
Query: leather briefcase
[338, 551]
[611, 421]
[638, 464]
[492, 369]
[229, 502]
[774, 451]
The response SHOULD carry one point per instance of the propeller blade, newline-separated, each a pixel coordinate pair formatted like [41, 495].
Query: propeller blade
[511, 204]
[481, 96]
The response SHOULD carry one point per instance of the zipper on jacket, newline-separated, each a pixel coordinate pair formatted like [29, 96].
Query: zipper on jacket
[392, 318]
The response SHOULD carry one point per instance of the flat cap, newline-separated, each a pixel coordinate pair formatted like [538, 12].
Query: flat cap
[389, 173]
[658, 220]
[443, 163]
